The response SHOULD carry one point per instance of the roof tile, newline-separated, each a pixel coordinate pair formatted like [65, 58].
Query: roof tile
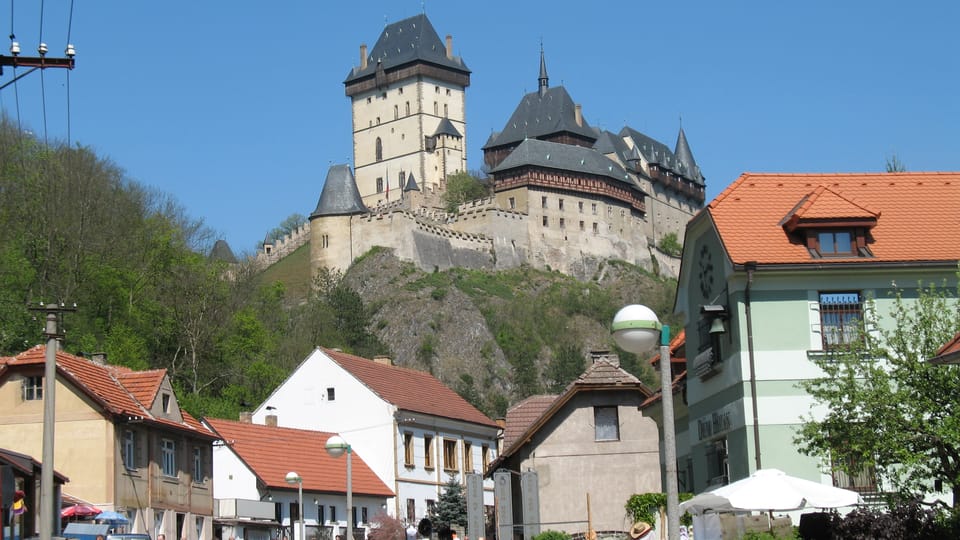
[271, 452]
[409, 389]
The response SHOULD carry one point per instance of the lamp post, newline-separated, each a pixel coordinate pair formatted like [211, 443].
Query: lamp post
[336, 447]
[635, 329]
[294, 478]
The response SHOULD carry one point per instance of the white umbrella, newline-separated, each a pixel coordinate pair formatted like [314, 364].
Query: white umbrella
[770, 489]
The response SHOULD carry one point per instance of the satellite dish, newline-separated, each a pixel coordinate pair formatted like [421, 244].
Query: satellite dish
[425, 527]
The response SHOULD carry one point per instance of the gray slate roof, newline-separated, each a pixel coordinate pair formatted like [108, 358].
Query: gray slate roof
[611, 143]
[221, 252]
[410, 40]
[566, 157]
[540, 115]
[655, 151]
[446, 127]
[411, 184]
[340, 196]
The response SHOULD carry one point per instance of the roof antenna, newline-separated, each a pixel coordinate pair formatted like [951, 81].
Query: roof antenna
[423, 6]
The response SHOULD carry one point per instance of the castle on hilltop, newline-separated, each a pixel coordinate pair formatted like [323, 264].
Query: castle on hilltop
[564, 195]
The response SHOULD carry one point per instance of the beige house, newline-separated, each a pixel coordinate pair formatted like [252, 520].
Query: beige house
[121, 438]
[591, 441]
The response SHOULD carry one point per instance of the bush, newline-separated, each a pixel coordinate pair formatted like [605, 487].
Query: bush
[906, 520]
[552, 535]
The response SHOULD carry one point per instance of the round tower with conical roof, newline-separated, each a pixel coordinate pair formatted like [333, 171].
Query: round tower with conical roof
[331, 224]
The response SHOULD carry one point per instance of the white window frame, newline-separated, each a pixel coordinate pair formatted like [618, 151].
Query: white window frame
[168, 457]
[129, 449]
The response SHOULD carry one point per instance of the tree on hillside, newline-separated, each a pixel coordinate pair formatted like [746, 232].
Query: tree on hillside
[888, 408]
[565, 366]
[462, 187]
[287, 226]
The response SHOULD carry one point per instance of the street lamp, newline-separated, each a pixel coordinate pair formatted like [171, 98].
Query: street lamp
[336, 447]
[294, 478]
[635, 329]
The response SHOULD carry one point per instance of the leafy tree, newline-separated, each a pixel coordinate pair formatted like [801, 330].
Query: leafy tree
[451, 508]
[462, 187]
[888, 407]
[287, 226]
[386, 527]
[670, 245]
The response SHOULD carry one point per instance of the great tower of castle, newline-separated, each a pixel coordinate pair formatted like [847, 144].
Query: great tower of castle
[408, 102]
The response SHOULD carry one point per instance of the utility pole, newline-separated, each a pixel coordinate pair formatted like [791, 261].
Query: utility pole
[48, 502]
[35, 62]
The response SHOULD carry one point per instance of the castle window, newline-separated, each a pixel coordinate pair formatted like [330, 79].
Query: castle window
[444, 110]
[593, 208]
[562, 223]
[581, 225]
[513, 203]
[436, 89]
[380, 185]
[379, 147]
[396, 112]
[448, 91]
[325, 241]
[580, 206]
[408, 108]
[378, 120]
[400, 90]
[546, 221]
[543, 202]
[436, 108]
[560, 204]
[369, 100]
[596, 228]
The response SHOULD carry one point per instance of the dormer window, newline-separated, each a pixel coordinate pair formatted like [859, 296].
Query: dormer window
[835, 242]
[831, 225]
[165, 401]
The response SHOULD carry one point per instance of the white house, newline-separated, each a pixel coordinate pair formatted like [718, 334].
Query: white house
[256, 502]
[412, 430]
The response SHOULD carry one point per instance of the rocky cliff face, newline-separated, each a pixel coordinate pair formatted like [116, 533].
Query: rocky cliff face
[446, 322]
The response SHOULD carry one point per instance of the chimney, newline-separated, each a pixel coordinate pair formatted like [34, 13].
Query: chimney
[501, 422]
[270, 420]
[246, 417]
[578, 115]
[449, 47]
[383, 359]
[363, 56]
[604, 354]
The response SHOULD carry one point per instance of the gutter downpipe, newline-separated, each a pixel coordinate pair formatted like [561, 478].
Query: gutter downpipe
[751, 266]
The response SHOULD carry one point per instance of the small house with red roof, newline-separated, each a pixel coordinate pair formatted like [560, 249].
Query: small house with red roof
[255, 500]
[589, 443]
[778, 271]
[120, 436]
[414, 432]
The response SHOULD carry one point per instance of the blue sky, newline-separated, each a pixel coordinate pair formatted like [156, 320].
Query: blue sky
[237, 108]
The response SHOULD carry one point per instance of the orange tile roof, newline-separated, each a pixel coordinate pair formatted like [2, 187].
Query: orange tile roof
[916, 218]
[271, 452]
[678, 366]
[107, 385]
[410, 389]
